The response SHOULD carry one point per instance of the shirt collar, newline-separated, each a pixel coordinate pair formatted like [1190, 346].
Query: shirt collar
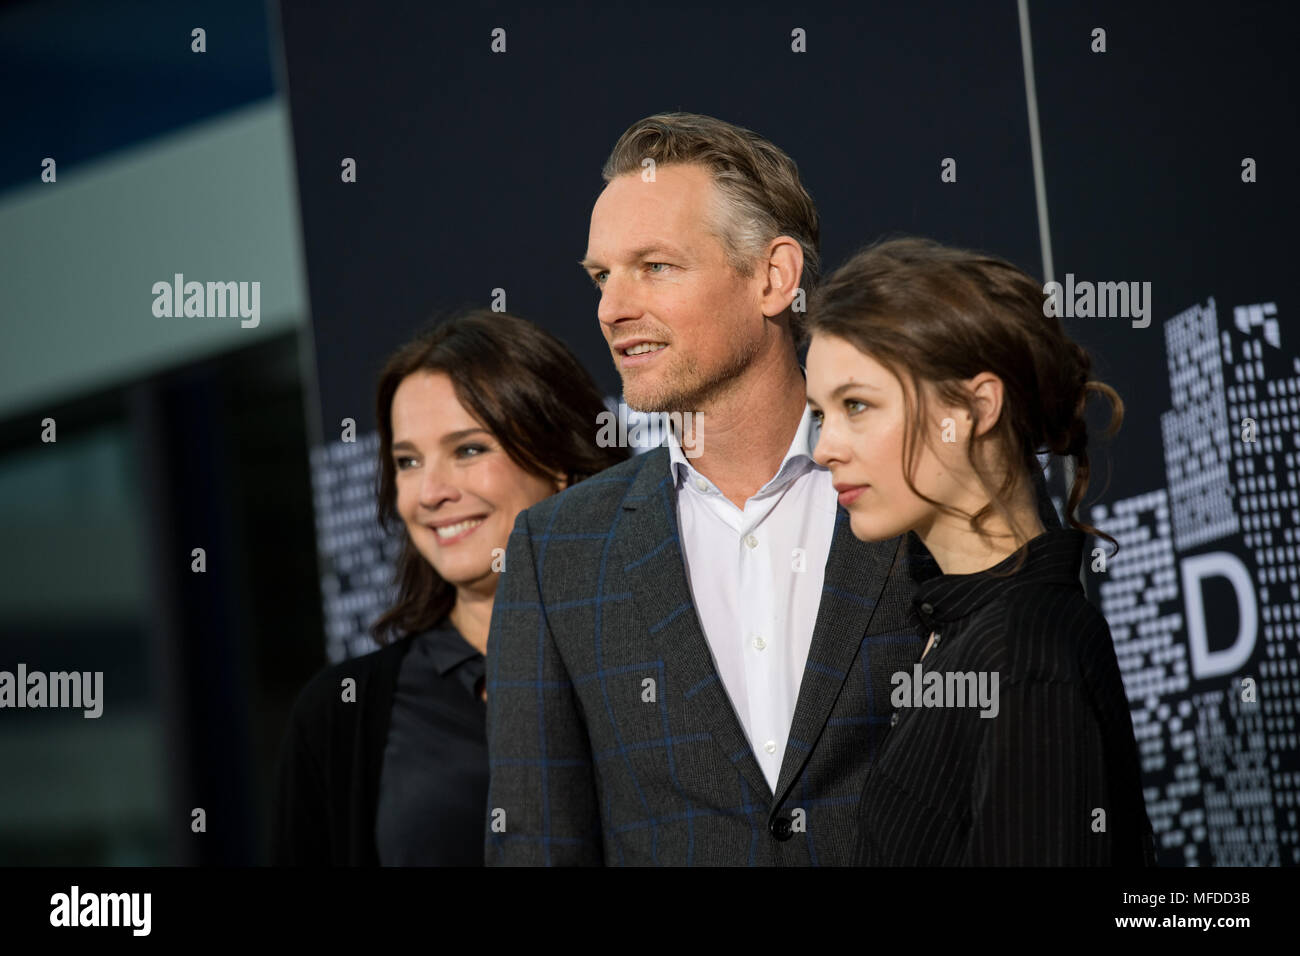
[1053, 558]
[447, 649]
[798, 458]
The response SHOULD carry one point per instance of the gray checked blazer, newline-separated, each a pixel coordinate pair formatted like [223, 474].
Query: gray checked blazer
[612, 739]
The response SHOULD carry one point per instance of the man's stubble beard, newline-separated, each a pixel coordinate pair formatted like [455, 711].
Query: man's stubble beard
[687, 391]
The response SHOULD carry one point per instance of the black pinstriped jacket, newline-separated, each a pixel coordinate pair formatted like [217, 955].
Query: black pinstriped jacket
[1050, 777]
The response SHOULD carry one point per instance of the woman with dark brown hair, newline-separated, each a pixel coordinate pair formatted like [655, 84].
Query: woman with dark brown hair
[938, 381]
[385, 760]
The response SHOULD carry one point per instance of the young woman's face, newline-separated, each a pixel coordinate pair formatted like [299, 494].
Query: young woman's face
[863, 420]
[458, 492]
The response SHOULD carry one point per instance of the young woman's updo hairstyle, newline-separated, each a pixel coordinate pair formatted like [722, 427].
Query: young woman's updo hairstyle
[934, 314]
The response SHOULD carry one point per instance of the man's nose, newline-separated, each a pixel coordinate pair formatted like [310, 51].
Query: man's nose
[619, 299]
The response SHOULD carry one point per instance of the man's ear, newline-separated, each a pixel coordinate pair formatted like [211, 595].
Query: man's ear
[784, 264]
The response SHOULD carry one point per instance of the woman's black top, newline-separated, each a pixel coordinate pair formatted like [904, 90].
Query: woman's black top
[434, 783]
[1053, 778]
[394, 771]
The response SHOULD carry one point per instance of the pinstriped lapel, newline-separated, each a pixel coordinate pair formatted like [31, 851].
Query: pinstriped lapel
[855, 577]
[649, 551]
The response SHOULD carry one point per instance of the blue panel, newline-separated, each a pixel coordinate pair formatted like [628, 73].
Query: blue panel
[83, 78]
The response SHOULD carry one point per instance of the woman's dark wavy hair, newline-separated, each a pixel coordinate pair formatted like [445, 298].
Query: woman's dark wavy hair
[525, 387]
[942, 315]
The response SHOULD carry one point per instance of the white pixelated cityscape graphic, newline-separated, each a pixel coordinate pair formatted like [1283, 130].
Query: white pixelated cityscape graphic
[356, 557]
[1203, 597]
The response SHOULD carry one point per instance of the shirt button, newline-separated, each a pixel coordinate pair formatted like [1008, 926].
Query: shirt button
[893, 719]
[936, 639]
[751, 541]
[770, 746]
[701, 484]
[759, 643]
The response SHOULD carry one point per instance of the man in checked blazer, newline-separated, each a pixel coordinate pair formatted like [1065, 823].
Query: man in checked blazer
[690, 653]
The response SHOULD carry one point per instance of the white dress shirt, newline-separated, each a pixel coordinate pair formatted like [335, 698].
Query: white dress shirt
[756, 579]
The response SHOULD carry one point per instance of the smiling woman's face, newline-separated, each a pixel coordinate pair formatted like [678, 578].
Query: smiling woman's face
[458, 492]
[860, 405]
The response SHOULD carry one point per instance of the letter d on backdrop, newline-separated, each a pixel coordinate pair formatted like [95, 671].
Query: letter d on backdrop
[1205, 662]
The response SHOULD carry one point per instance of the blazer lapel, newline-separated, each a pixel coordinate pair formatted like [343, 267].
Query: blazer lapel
[855, 577]
[650, 554]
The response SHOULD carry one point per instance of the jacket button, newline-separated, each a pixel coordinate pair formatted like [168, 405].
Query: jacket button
[928, 608]
[780, 828]
[893, 719]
